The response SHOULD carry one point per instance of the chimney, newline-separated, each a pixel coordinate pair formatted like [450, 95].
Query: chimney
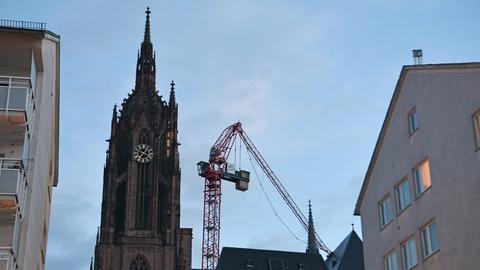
[417, 57]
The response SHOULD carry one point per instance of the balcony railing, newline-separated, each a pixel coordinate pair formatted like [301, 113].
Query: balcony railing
[23, 24]
[9, 238]
[12, 184]
[7, 260]
[16, 99]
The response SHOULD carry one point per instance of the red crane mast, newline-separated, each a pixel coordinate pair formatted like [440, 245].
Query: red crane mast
[214, 171]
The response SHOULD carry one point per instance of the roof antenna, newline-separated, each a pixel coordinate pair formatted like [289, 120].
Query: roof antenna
[353, 227]
[417, 57]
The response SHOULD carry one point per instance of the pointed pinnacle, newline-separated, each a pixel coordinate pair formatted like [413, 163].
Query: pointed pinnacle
[146, 37]
[312, 245]
[172, 94]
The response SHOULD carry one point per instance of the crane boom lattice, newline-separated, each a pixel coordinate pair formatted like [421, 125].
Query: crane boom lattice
[214, 171]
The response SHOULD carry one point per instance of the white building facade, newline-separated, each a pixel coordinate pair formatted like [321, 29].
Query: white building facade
[29, 119]
[418, 202]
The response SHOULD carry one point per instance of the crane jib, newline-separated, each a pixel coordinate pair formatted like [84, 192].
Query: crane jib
[214, 171]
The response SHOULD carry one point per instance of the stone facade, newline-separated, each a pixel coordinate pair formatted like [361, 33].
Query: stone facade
[140, 222]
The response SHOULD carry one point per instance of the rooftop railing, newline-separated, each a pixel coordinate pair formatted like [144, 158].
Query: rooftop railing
[23, 24]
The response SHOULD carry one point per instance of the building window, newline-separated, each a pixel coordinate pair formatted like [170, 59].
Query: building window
[301, 266]
[139, 263]
[402, 192]
[276, 264]
[421, 175]
[409, 252]
[250, 263]
[412, 121]
[391, 262]
[385, 208]
[430, 239]
[476, 128]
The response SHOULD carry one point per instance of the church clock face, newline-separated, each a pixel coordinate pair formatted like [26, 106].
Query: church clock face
[143, 153]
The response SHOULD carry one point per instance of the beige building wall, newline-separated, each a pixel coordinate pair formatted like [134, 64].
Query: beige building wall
[32, 55]
[445, 98]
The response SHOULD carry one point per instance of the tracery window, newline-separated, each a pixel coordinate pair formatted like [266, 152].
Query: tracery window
[139, 263]
[142, 217]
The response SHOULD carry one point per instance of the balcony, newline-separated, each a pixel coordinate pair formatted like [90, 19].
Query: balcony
[12, 185]
[9, 239]
[16, 100]
[7, 260]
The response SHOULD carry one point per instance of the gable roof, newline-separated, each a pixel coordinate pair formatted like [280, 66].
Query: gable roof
[389, 115]
[348, 255]
[237, 258]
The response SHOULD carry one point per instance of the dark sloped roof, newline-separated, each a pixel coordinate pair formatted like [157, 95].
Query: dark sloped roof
[348, 255]
[238, 258]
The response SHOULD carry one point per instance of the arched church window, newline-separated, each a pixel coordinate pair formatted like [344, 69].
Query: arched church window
[142, 213]
[139, 263]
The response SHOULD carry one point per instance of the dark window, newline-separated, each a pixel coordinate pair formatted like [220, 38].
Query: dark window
[120, 207]
[142, 216]
[139, 263]
[413, 121]
[276, 264]
[476, 126]
[250, 263]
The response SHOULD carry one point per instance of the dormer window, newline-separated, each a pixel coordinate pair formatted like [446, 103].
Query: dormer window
[250, 263]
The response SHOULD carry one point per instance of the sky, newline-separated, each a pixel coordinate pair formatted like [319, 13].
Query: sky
[309, 80]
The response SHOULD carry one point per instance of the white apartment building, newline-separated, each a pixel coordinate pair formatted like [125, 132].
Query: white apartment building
[29, 106]
[418, 203]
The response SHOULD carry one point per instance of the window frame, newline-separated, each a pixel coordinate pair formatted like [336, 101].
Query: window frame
[416, 186]
[413, 125]
[476, 128]
[386, 260]
[139, 262]
[398, 189]
[250, 263]
[385, 222]
[425, 232]
[405, 244]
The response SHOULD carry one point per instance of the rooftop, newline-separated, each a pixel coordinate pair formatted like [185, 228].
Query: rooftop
[246, 258]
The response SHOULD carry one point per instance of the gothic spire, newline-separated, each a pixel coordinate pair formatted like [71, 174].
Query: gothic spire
[146, 37]
[145, 78]
[171, 102]
[312, 244]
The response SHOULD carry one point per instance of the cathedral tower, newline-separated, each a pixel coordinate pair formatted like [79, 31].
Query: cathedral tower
[140, 222]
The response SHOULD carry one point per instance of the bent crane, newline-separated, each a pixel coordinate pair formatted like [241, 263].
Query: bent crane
[214, 171]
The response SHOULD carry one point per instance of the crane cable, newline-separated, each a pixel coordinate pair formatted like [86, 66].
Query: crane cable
[270, 202]
[243, 195]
